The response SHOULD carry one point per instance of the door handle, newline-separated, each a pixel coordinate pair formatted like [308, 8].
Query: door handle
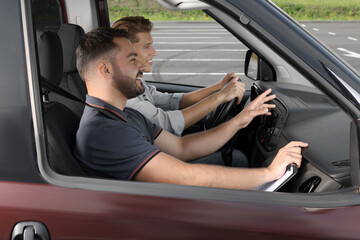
[30, 230]
[29, 233]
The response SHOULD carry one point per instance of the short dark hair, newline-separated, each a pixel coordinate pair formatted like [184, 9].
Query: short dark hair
[96, 44]
[134, 25]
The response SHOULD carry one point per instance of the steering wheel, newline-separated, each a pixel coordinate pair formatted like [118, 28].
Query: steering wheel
[219, 115]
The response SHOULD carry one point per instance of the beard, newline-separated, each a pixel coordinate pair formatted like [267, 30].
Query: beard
[127, 86]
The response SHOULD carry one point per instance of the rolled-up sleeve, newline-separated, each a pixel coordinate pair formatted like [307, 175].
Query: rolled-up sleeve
[166, 101]
[172, 121]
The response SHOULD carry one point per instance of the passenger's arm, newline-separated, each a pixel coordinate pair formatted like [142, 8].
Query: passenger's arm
[196, 96]
[199, 110]
[195, 146]
[167, 169]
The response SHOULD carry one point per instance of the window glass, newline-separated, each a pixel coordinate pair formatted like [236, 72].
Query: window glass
[191, 52]
[47, 15]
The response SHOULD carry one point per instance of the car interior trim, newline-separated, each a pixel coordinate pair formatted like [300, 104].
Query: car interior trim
[328, 199]
[351, 90]
[32, 83]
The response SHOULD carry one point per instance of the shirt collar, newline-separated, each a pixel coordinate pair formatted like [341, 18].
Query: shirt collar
[95, 102]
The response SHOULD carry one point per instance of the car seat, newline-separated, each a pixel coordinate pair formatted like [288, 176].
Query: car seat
[70, 36]
[60, 122]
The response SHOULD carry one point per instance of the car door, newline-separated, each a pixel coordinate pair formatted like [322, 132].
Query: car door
[76, 207]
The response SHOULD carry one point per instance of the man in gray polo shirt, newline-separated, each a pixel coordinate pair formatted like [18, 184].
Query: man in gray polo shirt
[175, 112]
[117, 142]
[178, 111]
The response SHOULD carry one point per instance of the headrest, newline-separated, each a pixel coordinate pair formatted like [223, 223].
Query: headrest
[70, 36]
[50, 57]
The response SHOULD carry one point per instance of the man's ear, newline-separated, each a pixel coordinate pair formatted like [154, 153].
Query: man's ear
[105, 69]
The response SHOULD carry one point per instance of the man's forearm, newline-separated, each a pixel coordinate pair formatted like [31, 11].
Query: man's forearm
[225, 177]
[194, 97]
[164, 168]
[194, 146]
[198, 145]
[198, 111]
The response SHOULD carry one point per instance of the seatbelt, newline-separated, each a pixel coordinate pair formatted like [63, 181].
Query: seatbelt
[58, 90]
[226, 155]
[226, 152]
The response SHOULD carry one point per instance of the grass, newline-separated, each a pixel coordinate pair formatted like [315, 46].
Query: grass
[298, 9]
[158, 14]
[321, 9]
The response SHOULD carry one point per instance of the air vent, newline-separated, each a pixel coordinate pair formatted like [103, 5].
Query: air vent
[310, 185]
[343, 163]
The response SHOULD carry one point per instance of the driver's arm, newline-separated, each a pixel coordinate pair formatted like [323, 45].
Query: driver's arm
[191, 98]
[201, 144]
[167, 169]
[198, 111]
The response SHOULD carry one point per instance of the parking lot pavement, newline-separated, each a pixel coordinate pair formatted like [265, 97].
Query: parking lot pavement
[184, 47]
[342, 37]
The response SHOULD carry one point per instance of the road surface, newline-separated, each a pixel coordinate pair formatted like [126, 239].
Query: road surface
[183, 47]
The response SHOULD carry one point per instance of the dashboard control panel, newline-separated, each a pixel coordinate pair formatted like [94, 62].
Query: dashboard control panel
[271, 127]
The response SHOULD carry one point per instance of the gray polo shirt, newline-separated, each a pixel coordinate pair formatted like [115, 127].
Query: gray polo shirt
[114, 148]
[160, 108]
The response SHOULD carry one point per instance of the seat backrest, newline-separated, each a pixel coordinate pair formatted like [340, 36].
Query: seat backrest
[61, 127]
[50, 57]
[70, 36]
[61, 123]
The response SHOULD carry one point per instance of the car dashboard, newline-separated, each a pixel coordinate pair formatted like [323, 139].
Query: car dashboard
[303, 113]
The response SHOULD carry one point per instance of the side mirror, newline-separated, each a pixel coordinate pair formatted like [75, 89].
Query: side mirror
[257, 69]
[252, 65]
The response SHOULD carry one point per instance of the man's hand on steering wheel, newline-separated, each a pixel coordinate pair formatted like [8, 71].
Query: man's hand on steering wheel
[233, 89]
[230, 94]
[256, 108]
[221, 84]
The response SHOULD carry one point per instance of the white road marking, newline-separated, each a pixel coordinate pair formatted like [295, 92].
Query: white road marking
[202, 50]
[185, 43]
[196, 60]
[303, 25]
[189, 26]
[192, 30]
[316, 29]
[351, 38]
[186, 37]
[331, 33]
[195, 74]
[350, 53]
[190, 33]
